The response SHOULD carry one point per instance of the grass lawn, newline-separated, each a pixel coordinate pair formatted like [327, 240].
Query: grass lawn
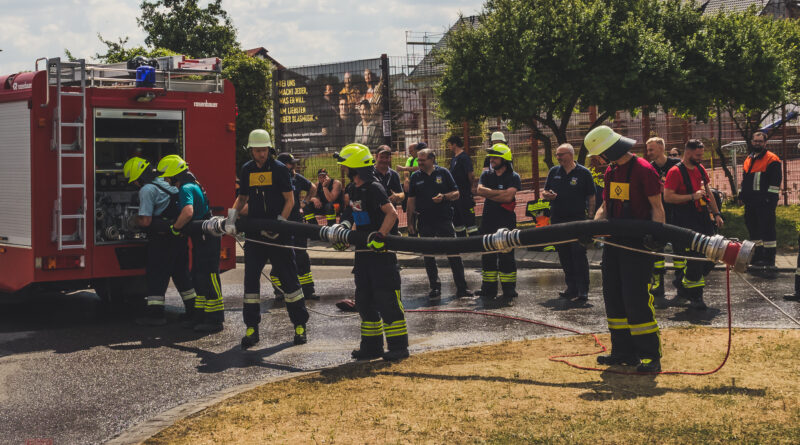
[788, 218]
[511, 393]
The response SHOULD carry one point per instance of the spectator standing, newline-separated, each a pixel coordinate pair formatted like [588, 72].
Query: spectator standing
[570, 190]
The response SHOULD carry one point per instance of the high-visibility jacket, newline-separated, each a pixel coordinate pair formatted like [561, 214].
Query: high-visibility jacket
[761, 181]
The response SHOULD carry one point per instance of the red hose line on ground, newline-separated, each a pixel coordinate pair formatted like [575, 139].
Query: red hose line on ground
[563, 358]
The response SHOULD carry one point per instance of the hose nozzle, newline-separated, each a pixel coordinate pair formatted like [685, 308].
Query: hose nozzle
[214, 226]
[719, 249]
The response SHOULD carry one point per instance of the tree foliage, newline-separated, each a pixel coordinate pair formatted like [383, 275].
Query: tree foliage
[117, 51]
[186, 28]
[252, 78]
[537, 62]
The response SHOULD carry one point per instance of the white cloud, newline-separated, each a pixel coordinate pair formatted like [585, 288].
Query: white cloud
[296, 32]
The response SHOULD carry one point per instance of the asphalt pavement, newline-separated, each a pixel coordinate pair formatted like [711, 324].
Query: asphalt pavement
[73, 373]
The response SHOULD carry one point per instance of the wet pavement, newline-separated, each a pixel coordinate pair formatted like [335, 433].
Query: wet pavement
[75, 374]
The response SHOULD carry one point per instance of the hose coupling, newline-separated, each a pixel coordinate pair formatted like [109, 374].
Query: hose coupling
[504, 240]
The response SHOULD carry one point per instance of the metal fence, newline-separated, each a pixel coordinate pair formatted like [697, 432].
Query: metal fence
[410, 113]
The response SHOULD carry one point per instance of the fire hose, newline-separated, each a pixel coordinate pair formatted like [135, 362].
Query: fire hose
[736, 255]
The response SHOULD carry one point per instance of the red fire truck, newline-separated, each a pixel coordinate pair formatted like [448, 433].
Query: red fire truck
[66, 211]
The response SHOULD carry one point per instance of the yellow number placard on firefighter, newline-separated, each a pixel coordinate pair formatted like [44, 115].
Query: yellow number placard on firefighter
[620, 190]
[260, 179]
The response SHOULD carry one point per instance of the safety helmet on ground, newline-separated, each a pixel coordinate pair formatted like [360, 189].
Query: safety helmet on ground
[355, 156]
[500, 151]
[608, 143]
[286, 158]
[259, 138]
[134, 167]
[171, 165]
[498, 136]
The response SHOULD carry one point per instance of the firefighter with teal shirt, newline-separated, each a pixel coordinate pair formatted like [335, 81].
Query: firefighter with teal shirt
[209, 312]
[499, 186]
[377, 278]
[265, 186]
[167, 256]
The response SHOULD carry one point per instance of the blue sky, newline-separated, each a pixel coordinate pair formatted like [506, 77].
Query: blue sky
[296, 32]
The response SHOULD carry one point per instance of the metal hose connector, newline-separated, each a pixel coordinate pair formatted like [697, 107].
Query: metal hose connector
[214, 226]
[503, 240]
[335, 234]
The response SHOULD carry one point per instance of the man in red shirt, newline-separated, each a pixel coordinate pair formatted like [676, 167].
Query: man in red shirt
[632, 191]
[694, 207]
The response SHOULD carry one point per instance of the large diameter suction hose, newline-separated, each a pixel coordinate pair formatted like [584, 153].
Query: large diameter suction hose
[713, 247]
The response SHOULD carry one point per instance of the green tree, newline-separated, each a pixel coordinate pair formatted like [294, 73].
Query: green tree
[741, 65]
[117, 51]
[537, 62]
[252, 78]
[184, 27]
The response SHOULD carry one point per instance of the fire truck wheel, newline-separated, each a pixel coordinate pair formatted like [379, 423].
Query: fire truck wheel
[119, 293]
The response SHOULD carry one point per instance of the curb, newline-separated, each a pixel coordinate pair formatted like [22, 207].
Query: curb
[149, 428]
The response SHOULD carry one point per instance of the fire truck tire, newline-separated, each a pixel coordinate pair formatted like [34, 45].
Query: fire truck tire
[121, 291]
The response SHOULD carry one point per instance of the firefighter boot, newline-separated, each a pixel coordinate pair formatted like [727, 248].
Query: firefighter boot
[622, 350]
[649, 365]
[489, 286]
[397, 344]
[153, 316]
[300, 335]
[371, 346]
[796, 295]
[250, 337]
[309, 292]
[190, 318]
[695, 296]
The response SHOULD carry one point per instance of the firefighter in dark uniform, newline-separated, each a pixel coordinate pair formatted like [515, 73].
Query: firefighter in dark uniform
[209, 311]
[326, 201]
[388, 177]
[632, 191]
[499, 186]
[570, 187]
[302, 261]
[167, 255]
[431, 191]
[694, 208]
[761, 186]
[376, 276]
[266, 188]
[463, 173]
[656, 149]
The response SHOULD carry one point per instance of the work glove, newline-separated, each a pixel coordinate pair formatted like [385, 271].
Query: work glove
[377, 242]
[281, 218]
[230, 223]
[341, 247]
[650, 243]
[175, 232]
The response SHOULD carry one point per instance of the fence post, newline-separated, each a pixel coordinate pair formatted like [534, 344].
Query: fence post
[784, 155]
[425, 118]
[465, 129]
[535, 166]
[276, 129]
[387, 101]
[645, 125]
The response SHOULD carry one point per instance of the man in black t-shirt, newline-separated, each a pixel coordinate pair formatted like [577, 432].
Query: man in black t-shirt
[265, 187]
[462, 171]
[301, 259]
[570, 188]
[430, 192]
[656, 149]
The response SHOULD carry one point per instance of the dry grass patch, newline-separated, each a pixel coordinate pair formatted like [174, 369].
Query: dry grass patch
[511, 393]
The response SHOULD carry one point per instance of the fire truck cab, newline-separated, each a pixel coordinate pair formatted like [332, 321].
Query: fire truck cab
[66, 210]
